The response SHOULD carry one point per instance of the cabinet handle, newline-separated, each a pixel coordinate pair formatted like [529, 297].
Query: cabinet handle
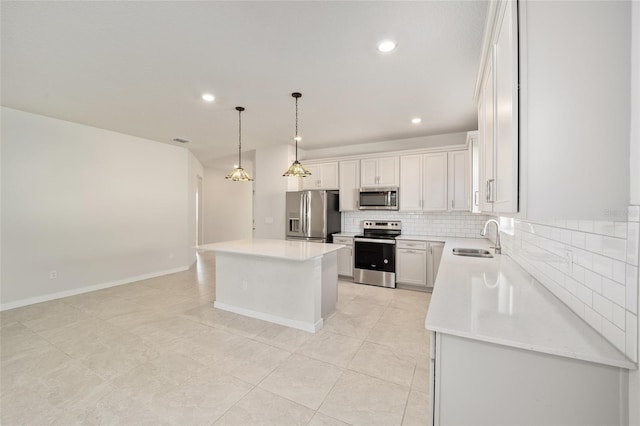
[486, 193]
[491, 194]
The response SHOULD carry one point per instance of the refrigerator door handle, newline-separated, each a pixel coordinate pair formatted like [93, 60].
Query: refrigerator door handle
[307, 214]
[302, 211]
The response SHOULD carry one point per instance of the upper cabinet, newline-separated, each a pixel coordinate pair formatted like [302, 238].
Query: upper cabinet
[380, 172]
[349, 185]
[497, 96]
[323, 176]
[435, 182]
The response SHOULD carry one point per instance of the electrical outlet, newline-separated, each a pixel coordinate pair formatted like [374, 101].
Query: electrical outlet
[53, 275]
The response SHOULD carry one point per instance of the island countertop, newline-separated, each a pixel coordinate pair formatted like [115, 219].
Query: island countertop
[495, 300]
[279, 249]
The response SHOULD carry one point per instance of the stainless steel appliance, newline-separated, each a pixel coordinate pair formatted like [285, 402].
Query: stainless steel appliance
[379, 198]
[375, 253]
[312, 215]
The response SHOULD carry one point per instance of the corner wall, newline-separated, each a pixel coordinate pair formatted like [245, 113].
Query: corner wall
[99, 208]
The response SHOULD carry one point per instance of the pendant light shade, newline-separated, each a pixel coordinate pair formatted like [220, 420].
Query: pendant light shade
[239, 174]
[296, 169]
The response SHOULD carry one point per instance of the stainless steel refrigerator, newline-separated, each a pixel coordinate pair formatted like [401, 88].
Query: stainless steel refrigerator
[312, 215]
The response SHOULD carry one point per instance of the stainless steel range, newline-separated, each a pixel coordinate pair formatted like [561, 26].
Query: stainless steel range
[375, 253]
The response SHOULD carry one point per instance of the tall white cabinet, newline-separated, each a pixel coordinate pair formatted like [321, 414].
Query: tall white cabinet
[323, 176]
[497, 97]
[349, 184]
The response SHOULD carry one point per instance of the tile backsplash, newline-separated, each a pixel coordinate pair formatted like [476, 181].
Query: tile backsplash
[592, 266]
[454, 224]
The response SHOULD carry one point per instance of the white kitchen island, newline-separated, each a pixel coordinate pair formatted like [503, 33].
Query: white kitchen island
[292, 283]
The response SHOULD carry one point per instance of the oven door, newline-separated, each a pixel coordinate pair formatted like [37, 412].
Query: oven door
[375, 255]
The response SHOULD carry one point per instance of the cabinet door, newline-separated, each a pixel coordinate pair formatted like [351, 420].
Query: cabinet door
[435, 182]
[411, 266]
[368, 172]
[349, 185]
[487, 181]
[411, 183]
[328, 175]
[313, 181]
[506, 114]
[433, 263]
[459, 180]
[345, 261]
[389, 171]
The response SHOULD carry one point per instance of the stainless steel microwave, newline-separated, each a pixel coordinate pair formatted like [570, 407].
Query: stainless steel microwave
[378, 198]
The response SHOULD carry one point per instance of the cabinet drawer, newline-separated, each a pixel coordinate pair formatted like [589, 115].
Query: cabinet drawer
[343, 240]
[416, 245]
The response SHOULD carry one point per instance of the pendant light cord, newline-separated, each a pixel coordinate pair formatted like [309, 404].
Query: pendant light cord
[240, 139]
[296, 129]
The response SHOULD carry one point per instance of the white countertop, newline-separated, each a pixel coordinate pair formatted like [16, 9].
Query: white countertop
[346, 234]
[495, 300]
[281, 249]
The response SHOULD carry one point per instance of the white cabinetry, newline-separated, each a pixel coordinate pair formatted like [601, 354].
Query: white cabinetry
[380, 172]
[439, 181]
[433, 262]
[527, 387]
[498, 112]
[411, 262]
[435, 182]
[345, 256]
[323, 176]
[411, 182]
[459, 181]
[349, 185]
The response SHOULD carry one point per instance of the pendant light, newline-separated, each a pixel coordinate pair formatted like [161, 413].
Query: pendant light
[239, 174]
[297, 169]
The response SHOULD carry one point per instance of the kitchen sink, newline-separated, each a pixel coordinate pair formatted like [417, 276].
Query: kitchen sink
[472, 252]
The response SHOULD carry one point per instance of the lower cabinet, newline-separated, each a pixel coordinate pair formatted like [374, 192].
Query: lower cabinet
[417, 263]
[481, 383]
[345, 256]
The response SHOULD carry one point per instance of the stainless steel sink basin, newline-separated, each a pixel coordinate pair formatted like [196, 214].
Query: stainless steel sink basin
[472, 252]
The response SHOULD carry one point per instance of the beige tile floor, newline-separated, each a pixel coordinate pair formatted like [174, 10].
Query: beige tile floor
[157, 352]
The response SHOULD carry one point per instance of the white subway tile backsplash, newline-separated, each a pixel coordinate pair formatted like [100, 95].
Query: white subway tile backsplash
[614, 247]
[619, 271]
[632, 288]
[634, 214]
[593, 281]
[619, 316]
[593, 243]
[620, 230]
[604, 227]
[586, 225]
[578, 239]
[577, 306]
[614, 291]
[593, 319]
[614, 335]
[603, 306]
[633, 230]
[603, 265]
[632, 337]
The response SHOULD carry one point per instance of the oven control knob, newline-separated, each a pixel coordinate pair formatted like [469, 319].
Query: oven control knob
[386, 261]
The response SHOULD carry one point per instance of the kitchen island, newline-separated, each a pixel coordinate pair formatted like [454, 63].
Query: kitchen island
[292, 283]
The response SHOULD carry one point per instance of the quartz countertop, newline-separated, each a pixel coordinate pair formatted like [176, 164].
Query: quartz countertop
[280, 249]
[495, 300]
[421, 238]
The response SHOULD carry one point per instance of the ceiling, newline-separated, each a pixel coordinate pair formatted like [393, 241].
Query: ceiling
[140, 68]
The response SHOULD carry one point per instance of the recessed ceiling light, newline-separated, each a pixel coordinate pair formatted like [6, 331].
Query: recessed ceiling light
[416, 120]
[208, 97]
[386, 46]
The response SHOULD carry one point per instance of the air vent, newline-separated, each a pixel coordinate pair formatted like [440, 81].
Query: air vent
[181, 140]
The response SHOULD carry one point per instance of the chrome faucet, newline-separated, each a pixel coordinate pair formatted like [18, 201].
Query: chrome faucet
[498, 247]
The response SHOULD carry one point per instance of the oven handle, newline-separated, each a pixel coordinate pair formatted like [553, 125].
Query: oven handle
[373, 240]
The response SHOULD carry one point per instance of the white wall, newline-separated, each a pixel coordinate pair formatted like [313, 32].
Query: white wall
[449, 139]
[195, 171]
[271, 187]
[100, 208]
[228, 206]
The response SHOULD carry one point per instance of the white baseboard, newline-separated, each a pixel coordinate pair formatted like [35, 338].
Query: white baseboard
[76, 291]
[300, 325]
